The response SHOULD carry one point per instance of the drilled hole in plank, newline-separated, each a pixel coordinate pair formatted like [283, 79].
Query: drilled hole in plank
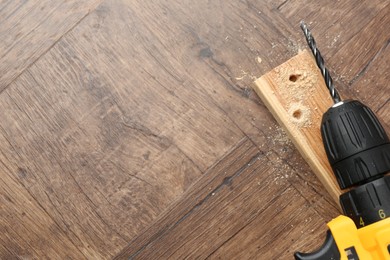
[297, 114]
[294, 77]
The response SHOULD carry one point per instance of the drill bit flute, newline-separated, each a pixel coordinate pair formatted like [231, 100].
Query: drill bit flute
[320, 63]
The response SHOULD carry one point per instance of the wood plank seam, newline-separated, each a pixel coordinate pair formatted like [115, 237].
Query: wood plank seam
[51, 46]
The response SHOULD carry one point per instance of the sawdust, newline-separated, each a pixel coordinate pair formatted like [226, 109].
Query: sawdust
[280, 138]
[294, 47]
[297, 82]
[332, 40]
[245, 76]
[335, 40]
[278, 146]
[242, 76]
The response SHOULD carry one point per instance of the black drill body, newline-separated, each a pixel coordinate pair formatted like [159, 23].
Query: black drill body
[358, 150]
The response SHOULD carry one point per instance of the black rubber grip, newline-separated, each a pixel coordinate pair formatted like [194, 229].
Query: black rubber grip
[327, 251]
[368, 203]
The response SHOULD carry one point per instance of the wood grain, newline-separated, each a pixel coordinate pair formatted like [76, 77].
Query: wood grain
[29, 28]
[27, 230]
[372, 84]
[235, 209]
[359, 52]
[116, 120]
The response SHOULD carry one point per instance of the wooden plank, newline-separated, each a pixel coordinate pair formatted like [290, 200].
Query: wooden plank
[297, 96]
[243, 206]
[29, 28]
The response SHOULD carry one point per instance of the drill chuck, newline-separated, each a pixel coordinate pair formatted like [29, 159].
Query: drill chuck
[358, 150]
[357, 147]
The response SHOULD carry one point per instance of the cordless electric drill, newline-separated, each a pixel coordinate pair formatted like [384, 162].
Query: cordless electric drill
[358, 150]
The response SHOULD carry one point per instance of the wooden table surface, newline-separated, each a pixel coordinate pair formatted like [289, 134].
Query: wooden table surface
[129, 129]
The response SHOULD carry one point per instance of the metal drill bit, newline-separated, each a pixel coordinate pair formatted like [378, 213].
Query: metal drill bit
[320, 63]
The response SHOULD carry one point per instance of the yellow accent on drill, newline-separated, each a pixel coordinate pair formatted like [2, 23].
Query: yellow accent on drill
[370, 242]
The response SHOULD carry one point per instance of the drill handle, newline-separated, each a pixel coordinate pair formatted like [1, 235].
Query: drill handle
[328, 250]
